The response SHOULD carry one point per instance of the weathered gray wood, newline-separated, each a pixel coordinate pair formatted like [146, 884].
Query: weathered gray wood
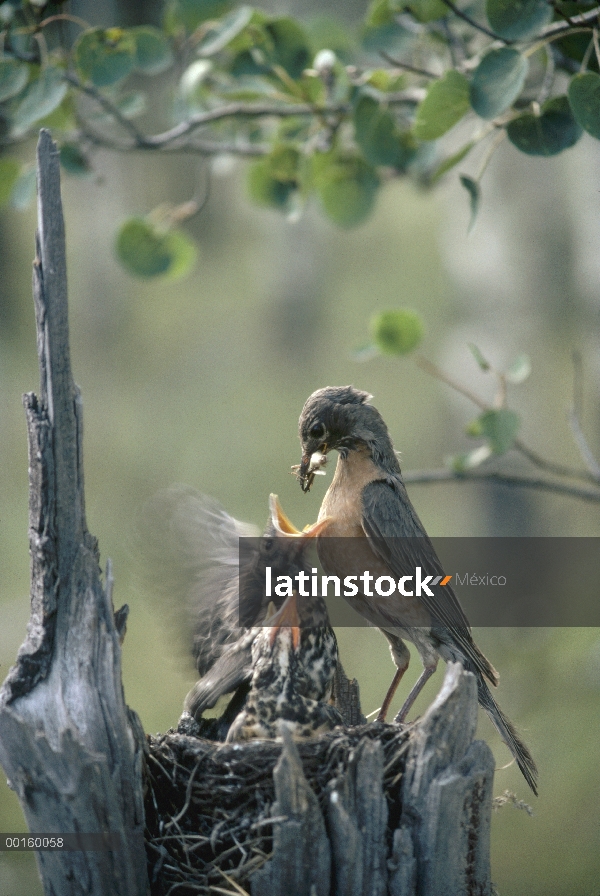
[447, 797]
[71, 748]
[301, 863]
[346, 694]
[441, 846]
[357, 814]
[402, 865]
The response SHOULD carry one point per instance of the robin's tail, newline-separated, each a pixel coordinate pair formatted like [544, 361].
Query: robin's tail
[507, 732]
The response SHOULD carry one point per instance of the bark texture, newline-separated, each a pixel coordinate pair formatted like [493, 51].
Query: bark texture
[70, 747]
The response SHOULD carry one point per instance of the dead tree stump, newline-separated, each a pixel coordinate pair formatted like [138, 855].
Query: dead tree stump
[364, 811]
[69, 745]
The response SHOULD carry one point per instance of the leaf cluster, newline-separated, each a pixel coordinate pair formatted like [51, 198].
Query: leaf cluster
[322, 111]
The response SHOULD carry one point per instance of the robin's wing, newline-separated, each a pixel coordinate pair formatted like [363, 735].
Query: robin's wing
[399, 538]
[190, 550]
[231, 669]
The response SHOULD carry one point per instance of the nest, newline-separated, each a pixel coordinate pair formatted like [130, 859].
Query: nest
[209, 824]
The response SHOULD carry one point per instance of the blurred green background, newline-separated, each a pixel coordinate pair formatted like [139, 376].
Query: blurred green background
[201, 382]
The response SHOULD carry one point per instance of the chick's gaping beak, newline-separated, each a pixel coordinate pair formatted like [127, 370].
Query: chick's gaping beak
[287, 617]
[280, 520]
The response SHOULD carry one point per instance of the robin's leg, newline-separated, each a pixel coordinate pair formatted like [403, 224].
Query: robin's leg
[416, 690]
[401, 657]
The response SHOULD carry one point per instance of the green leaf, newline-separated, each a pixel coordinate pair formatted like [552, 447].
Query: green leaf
[291, 47]
[451, 161]
[105, 56]
[584, 98]
[519, 370]
[152, 50]
[428, 10]
[312, 88]
[74, 160]
[379, 137]
[385, 81]
[347, 186]
[446, 102]
[40, 98]
[223, 32]
[483, 363]
[145, 251]
[379, 13]
[132, 103]
[547, 134]
[13, 78]
[397, 332]
[272, 181]
[188, 14]
[63, 117]
[575, 45]
[462, 463]
[183, 252]
[500, 427]
[474, 190]
[328, 32]
[192, 81]
[474, 429]
[23, 192]
[381, 30]
[497, 81]
[9, 172]
[517, 19]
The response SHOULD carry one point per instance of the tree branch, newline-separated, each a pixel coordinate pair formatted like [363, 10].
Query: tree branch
[429, 477]
[589, 18]
[179, 132]
[520, 446]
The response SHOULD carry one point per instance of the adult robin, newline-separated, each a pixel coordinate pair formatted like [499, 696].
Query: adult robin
[293, 667]
[372, 527]
[229, 597]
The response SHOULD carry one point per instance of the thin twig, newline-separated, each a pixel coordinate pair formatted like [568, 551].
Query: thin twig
[196, 146]
[463, 15]
[584, 449]
[596, 45]
[494, 144]
[531, 455]
[550, 466]
[429, 477]
[188, 797]
[65, 17]
[574, 416]
[105, 104]
[548, 81]
[433, 370]
[405, 65]
[262, 110]
[556, 28]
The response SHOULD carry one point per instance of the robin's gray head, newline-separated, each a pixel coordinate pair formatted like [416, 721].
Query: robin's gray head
[338, 417]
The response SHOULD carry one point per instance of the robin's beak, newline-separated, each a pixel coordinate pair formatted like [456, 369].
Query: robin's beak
[287, 617]
[310, 466]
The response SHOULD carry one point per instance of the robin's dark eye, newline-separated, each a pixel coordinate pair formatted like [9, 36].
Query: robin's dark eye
[317, 430]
